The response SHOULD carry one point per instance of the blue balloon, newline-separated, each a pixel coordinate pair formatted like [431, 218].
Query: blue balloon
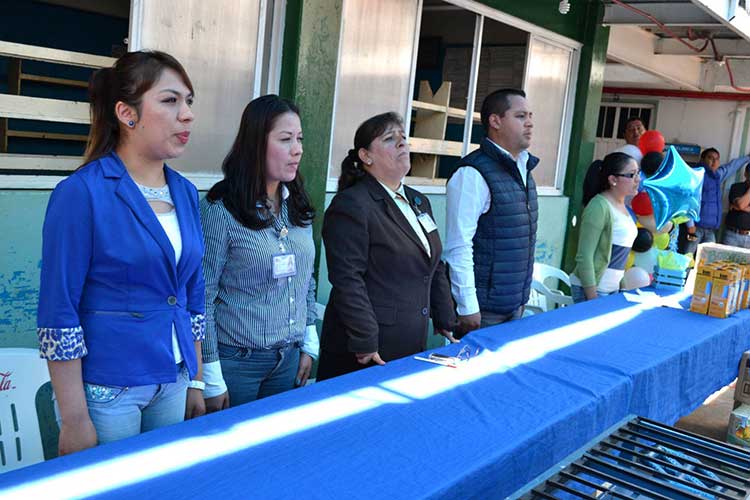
[675, 189]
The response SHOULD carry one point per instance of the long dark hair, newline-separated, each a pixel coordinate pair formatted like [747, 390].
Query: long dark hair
[597, 176]
[243, 189]
[132, 75]
[352, 169]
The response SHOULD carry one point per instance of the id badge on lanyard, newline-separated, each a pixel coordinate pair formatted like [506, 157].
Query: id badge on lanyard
[284, 262]
[427, 223]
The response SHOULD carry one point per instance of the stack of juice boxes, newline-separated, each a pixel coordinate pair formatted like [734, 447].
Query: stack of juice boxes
[721, 288]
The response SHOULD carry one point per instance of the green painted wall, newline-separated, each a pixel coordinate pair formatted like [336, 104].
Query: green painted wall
[308, 77]
[586, 114]
[545, 13]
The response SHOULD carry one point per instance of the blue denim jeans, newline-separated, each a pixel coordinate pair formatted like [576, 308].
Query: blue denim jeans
[736, 239]
[702, 235]
[121, 412]
[252, 374]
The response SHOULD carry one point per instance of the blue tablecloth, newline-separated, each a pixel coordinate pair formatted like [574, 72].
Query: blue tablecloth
[542, 387]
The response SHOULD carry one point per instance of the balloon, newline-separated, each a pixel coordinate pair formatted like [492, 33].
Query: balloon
[661, 241]
[651, 141]
[643, 241]
[675, 189]
[631, 259]
[646, 260]
[642, 204]
[635, 277]
[631, 151]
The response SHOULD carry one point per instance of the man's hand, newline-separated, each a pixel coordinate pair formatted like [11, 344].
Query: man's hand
[469, 323]
[447, 334]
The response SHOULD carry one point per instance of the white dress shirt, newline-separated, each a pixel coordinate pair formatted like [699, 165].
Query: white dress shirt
[468, 197]
[402, 202]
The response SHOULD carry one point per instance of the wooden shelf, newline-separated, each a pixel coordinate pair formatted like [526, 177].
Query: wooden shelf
[39, 162]
[436, 108]
[54, 81]
[47, 135]
[21, 51]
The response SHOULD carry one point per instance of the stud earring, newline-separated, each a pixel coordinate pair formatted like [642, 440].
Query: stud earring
[614, 183]
[131, 123]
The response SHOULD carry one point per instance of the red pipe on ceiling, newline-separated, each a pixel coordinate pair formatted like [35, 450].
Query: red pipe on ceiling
[684, 94]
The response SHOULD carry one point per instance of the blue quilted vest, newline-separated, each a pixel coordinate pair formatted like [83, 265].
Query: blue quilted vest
[506, 235]
[710, 200]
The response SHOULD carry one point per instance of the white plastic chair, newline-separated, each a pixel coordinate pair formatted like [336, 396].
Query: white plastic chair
[22, 373]
[544, 294]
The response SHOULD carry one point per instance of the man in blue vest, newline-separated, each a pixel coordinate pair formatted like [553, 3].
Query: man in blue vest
[704, 231]
[492, 217]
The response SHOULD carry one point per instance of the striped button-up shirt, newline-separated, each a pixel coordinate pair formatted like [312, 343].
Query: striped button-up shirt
[245, 305]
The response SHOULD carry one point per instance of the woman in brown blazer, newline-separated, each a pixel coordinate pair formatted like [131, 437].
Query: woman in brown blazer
[383, 252]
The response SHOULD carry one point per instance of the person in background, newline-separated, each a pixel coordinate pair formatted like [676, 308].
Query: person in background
[121, 314]
[607, 229]
[383, 252]
[491, 217]
[260, 292]
[634, 129]
[737, 223]
[704, 230]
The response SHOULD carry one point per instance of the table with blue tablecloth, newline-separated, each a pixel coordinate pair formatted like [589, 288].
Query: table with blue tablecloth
[540, 388]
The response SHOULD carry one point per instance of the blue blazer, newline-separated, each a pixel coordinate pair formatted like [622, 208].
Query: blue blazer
[110, 288]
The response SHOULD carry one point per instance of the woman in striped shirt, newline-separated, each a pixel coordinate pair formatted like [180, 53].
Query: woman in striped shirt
[260, 291]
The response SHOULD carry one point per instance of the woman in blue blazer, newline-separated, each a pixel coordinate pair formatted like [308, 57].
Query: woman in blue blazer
[121, 301]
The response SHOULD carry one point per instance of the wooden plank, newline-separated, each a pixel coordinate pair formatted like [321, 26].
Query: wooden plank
[461, 113]
[47, 135]
[424, 181]
[53, 80]
[430, 125]
[14, 76]
[49, 110]
[39, 162]
[427, 106]
[434, 146]
[3, 135]
[22, 51]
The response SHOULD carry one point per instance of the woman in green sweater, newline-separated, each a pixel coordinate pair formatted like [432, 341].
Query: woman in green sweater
[607, 228]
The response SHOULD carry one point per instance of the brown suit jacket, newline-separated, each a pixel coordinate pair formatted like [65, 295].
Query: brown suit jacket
[385, 286]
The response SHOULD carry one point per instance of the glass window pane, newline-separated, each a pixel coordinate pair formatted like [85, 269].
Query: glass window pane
[600, 122]
[374, 72]
[609, 123]
[547, 89]
[646, 116]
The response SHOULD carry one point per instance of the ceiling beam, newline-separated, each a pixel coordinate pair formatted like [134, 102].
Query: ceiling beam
[726, 47]
[728, 13]
[635, 47]
[671, 14]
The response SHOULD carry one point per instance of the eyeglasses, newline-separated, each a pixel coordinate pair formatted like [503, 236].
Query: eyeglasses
[467, 353]
[464, 355]
[629, 175]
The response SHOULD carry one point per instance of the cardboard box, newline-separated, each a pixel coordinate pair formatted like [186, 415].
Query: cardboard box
[702, 290]
[723, 292]
[709, 253]
[738, 431]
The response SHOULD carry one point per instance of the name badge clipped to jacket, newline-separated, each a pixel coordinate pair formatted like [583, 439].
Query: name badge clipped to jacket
[284, 265]
[427, 223]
